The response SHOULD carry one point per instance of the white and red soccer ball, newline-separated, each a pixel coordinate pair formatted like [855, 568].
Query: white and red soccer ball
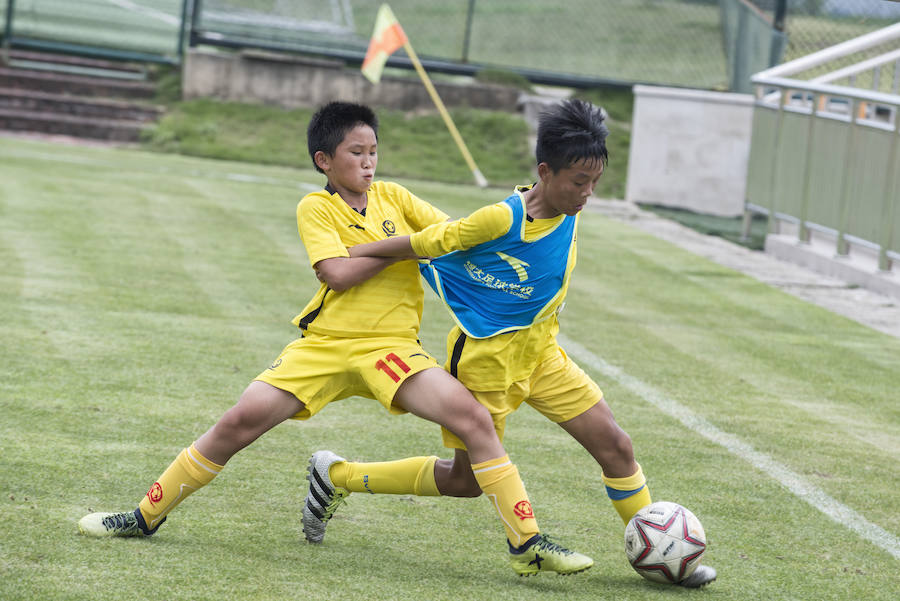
[664, 542]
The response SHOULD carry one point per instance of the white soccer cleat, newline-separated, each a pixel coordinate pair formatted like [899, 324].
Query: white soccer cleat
[701, 576]
[323, 497]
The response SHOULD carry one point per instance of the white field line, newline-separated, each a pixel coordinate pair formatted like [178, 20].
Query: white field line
[794, 482]
[146, 10]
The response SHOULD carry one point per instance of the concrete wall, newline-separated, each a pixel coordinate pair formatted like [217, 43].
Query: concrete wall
[689, 149]
[296, 81]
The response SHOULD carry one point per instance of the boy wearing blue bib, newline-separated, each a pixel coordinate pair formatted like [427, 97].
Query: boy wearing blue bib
[503, 273]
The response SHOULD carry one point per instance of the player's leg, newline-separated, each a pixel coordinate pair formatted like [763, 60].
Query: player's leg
[566, 395]
[597, 431]
[260, 408]
[377, 367]
[436, 396]
[332, 479]
[405, 378]
[562, 392]
[454, 477]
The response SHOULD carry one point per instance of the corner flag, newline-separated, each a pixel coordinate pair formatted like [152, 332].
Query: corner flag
[387, 38]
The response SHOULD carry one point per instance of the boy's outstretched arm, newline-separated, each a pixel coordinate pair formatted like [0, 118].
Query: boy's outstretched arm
[341, 273]
[397, 247]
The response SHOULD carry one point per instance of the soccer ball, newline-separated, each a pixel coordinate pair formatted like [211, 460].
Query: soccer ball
[664, 542]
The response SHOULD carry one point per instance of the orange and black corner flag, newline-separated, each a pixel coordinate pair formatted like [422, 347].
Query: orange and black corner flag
[387, 38]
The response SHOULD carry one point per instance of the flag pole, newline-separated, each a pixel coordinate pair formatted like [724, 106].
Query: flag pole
[479, 178]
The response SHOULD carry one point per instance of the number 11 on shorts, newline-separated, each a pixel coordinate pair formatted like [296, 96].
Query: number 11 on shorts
[382, 365]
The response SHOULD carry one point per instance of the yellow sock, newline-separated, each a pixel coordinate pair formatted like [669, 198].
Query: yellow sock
[499, 480]
[188, 473]
[410, 476]
[628, 495]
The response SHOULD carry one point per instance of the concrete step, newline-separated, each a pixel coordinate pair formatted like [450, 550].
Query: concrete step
[74, 85]
[51, 60]
[70, 125]
[101, 108]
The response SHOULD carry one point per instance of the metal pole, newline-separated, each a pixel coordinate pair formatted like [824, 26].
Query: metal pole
[803, 235]
[772, 226]
[195, 15]
[842, 248]
[181, 29]
[740, 79]
[7, 29]
[468, 33]
[780, 14]
[889, 213]
[448, 121]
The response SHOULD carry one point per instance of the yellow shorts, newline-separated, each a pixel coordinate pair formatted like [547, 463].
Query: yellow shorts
[320, 369]
[557, 388]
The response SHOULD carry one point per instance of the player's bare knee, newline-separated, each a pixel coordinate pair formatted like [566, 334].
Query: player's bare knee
[238, 426]
[472, 422]
[622, 446]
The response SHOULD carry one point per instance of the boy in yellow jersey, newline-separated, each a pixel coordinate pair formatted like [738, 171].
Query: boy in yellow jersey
[503, 272]
[358, 337]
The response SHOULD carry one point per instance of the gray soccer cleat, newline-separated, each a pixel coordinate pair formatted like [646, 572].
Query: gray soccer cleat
[323, 497]
[702, 576]
[128, 523]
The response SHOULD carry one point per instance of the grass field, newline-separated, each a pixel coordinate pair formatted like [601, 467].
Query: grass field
[413, 145]
[140, 293]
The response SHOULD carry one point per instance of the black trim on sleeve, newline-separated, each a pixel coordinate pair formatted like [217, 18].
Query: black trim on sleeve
[457, 353]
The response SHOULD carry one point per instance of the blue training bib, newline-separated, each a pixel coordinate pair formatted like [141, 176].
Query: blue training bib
[505, 284]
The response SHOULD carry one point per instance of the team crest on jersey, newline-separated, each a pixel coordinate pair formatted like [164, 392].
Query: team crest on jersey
[389, 228]
[155, 494]
[523, 510]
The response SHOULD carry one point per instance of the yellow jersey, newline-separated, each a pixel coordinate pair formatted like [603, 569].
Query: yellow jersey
[389, 303]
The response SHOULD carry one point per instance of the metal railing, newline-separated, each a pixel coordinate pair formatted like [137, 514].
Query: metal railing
[824, 150]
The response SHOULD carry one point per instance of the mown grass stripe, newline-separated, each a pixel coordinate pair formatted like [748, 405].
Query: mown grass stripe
[791, 480]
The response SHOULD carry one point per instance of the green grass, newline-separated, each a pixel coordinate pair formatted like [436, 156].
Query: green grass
[729, 228]
[140, 293]
[410, 145]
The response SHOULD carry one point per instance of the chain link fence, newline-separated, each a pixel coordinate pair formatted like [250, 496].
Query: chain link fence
[670, 42]
[587, 42]
[139, 29]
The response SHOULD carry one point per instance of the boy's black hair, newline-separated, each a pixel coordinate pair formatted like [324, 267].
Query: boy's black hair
[330, 124]
[569, 132]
